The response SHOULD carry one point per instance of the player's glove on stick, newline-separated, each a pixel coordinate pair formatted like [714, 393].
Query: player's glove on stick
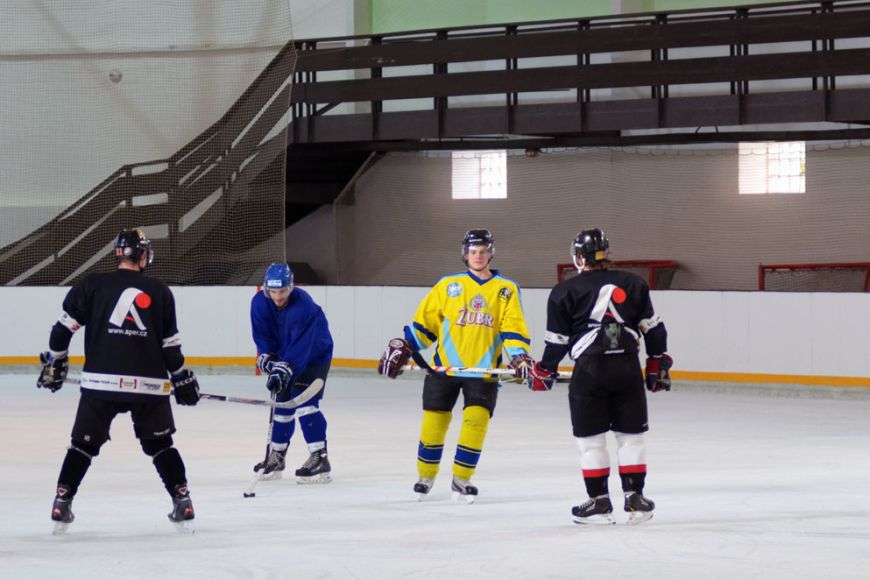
[280, 377]
[541, 378]
[394, 358]
[658, 376]
[522, 365]
[265, 362]
[186, 387]
[54, 371]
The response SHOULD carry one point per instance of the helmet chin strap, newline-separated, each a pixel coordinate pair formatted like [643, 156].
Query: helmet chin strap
[581, 264]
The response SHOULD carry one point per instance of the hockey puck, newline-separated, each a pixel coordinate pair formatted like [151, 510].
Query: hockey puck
[252, 494]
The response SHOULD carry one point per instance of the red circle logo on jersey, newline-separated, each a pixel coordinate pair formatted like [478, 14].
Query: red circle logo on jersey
[143, 301]
[618, 296]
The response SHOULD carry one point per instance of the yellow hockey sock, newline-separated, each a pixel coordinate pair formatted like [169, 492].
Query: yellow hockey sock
[432, 434]
[475, 421]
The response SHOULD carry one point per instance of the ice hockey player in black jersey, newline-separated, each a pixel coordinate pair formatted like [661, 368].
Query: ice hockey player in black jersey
[133, 362]
[598, 318]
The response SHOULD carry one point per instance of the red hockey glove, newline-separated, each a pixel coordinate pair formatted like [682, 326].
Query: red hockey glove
[522, 366]
[542, 379]
[395, 356]
[658, 377]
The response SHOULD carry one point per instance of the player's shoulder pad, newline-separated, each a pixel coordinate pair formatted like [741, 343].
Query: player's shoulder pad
[632, 278]
[503, 278]
[450, 277]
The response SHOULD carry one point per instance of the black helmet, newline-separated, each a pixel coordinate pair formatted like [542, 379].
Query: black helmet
[591, 245]
[477, 238]
[132, 244]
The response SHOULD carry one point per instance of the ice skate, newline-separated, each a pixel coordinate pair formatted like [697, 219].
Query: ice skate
[61, 511]
[595, 511]
[273, 467]
[423, 487]
[463, 490]
[316, 469]
[639, 508]
[182, 509]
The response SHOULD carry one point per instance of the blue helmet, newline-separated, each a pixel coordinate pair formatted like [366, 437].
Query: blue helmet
[278, 275]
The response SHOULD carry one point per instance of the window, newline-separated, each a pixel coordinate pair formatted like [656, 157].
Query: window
[775, 167]
[480, 174]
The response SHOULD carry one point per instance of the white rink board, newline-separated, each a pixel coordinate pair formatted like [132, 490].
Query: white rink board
[740, 332]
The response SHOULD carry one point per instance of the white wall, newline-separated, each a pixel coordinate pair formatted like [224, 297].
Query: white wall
[66, 126]
[800, 334]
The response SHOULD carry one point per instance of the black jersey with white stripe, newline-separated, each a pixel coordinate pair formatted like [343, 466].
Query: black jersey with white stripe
[130, 325]
[600, 312]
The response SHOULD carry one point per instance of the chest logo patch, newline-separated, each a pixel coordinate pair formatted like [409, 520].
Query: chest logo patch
[475, 313]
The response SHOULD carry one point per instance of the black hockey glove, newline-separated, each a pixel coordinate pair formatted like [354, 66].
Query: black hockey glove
[265, 362]
[280, 377]
[395, 356]
[658, 376]
[54, 371]
[186, 387]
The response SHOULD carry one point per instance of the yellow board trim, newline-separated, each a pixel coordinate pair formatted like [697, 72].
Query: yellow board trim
[354, 363]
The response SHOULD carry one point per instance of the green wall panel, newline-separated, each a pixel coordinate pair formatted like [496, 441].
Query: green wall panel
[398, 15]
[664, 5]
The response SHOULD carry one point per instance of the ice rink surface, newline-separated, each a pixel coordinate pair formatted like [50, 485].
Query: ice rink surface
[746, 486]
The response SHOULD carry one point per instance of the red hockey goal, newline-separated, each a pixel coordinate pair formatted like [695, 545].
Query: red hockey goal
[658, 273]
[830, 277]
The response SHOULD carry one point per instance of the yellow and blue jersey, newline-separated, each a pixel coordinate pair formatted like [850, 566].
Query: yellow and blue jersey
[470, 321]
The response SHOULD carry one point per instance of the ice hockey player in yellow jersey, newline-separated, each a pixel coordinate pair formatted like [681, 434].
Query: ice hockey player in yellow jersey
[470, 318]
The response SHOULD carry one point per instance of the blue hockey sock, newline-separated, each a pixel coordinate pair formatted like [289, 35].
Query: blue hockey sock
[313, 425]
[283, 426]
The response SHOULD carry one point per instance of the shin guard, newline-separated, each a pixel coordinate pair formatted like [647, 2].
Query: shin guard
[475, 422]
[595, 463]
[432, 434]
[632, 461]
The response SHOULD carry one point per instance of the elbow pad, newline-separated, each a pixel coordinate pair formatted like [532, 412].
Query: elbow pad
[656, 340]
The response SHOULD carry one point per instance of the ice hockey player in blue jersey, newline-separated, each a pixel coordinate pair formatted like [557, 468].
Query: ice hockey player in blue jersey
[294, 348]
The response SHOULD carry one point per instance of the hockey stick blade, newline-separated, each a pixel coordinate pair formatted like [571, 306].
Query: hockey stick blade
[315, 387]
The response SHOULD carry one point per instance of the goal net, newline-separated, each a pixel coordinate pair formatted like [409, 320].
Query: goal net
[831, 277]
[161, 115]
[657, 273]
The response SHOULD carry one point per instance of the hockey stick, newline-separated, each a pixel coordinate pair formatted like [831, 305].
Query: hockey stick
[303, 397]
[561, 377]
[249, 491]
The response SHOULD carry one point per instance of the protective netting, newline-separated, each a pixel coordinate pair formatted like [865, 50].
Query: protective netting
[165, 115]
[815, 278]
[654, 203]
[658, 274]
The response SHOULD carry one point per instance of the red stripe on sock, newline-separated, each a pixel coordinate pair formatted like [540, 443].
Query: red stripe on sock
[640, 468]
[596, 472]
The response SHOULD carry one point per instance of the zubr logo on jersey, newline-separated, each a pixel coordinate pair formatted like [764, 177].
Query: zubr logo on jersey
[474, 313]
[126, 310]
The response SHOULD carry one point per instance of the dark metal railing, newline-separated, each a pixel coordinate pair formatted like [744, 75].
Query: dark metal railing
[642, 48]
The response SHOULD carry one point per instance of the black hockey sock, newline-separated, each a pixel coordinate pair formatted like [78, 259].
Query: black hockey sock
[72, 472]
[170, 467]
[633, 482]
[596, 486]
